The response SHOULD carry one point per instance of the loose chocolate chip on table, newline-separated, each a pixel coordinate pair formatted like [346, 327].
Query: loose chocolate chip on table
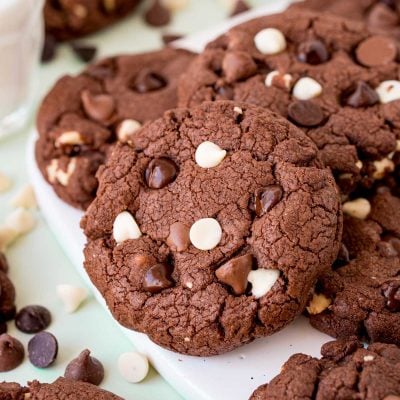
[32, 319]
[3, 262]
[391, 290]
[160, 172]
[362, 96]
[42, 349]
[178, 237]
[147, 81]
[7, 298]
[312, 52]
[49, 48]
[234, 273]
[239, 7]
[85, 368]
[305, 113]
[266, 198]
[11, 353]
[167, 38]
[99, 107]
[376, 50]
[157, 14]
[157, 278]
[85, 53]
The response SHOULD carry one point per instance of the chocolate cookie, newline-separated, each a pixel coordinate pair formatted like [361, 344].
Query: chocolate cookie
[345, 371]
[210, 228]
[380, 16]
[361, 296]
[322, 72]
[60, 389]
[68, 19]
[83, 116]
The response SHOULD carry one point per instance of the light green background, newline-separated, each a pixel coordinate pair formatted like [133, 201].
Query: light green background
[37, 261]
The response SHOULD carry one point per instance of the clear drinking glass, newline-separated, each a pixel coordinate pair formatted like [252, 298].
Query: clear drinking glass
[21, 40]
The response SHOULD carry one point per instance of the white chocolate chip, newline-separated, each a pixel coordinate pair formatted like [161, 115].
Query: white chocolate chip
[174, 5]
[25, 198]
[21, 220]
[382, 167]
[186, 339]
[209, 155]
[237, 110]
[133, 366]
[262, 281]
[359, 164]
[70, 137]
[369, 358]
[127, 128]
[5, 183]
[7, 236]
[318, 303]
[270, 41]
[71, 296]
[55, 174]
[80, 11]
[306, 88]
[388, 91]
[358, 208]
[189, 285]
[205, 233]
[125, 227]
[278, 79]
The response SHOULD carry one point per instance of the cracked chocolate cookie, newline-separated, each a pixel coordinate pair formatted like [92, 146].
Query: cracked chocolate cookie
[210, 228]
[345, 371]
[59, 390]
[361, 295]
[380, 16]
[68, 19]
[326, 74]
[83, 116]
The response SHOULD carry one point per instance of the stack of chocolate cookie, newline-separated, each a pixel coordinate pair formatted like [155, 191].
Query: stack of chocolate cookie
[219, 222]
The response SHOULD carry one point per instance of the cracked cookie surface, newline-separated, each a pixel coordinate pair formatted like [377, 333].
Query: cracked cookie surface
[346, 371]
[364, 287]
[83, 116]
[68, 19]
[210, 229]
[316, 78]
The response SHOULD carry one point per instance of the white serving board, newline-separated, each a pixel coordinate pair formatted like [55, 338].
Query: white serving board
[231, 376]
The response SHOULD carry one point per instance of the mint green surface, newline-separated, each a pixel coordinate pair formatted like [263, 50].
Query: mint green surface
[37, 261]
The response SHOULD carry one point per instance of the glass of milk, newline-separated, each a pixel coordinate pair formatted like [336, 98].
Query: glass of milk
[21, 40]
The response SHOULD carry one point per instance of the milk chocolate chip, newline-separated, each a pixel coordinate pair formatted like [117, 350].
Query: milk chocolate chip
[160, 172]
[158, 278]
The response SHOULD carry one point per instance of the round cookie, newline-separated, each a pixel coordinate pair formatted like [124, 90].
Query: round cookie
[68, 19]
[82, 116]
[210, 228]
[314, 72]
[345, 371]
[361, 295]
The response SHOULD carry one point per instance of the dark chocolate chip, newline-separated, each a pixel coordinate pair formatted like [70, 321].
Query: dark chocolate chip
[382, 17]
[391, 290]
[42, 349]
[3, 262]
[85, 368]
[85, 53]
[376, 50]
[238, 65]
[362, 96]
[312, 52]
[157, 278]
[49, 48]
[157, 14]
[305, 113]
[99, 107]
[266, 198]
[33, 319]
[167, 38]
[3, 328]
[240, 7]
[225, 92]
[11, 353]
[7, 298]
[178, 238]
[234, 273]
[343, 257]
[160, 172]
[148, 81]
